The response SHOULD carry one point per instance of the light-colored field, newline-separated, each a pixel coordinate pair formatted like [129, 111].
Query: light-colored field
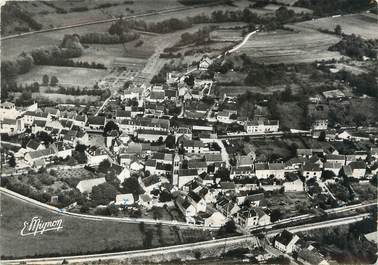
[287, 2]
[283, 46]
[226, 35]
[67, 76]
[364, 24]
[78, 236]
[11, 48]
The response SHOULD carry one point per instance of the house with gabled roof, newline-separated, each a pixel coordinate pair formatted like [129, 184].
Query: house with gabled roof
[80, 120]
[87, 184]
[187, 209]
[198, 202]
[184, 176]
[355, 169]
[311, 170]
[205, 63]
[34, 145]
[96, 122]
[250, 217]
[226, 206]
[201, 166]
[285, 241]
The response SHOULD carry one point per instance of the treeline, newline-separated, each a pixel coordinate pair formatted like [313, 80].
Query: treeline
[200, 37]
[77, 91]
[324, 8]
[363, 84]
[45, 57]
[107, 38]
[197, 2]
[282, 16]
[356, 47]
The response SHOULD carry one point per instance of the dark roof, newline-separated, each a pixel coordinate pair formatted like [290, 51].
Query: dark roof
[188, 172]
[96, 120]
[311, 167]
[196, 164]
[66, 123]
[227, 185]
[33, 144]
[150, 163]
[170, 93]
[39, 123]
[123, 113]
[51, 110]
[194, 196]
[285, 237]
[151, 180]
[357, 165]
[261, 166]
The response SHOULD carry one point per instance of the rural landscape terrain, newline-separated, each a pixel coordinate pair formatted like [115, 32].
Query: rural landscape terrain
[189, 132]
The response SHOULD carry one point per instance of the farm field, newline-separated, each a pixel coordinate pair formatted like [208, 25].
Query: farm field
[226, 35]
[67, 76]
[11, 48]
[350, 24]
[284, 46]
[53, 19]
[76, 236]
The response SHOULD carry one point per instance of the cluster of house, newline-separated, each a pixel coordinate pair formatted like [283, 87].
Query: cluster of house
[306, 252]
[52, 120]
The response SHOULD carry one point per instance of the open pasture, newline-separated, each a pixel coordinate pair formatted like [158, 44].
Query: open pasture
[363, 24]
[78, 235]
[67, 76]
[283, 46]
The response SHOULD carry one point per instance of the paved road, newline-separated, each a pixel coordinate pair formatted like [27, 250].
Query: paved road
[241, 44]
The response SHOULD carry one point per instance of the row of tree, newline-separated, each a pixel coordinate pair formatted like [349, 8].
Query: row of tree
[107, 38]
[355, 46]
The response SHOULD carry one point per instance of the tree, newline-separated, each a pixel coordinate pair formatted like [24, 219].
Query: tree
[131, 185]
[103, 194]
[165, 196]
[322, 136]
[275, 215]
[338, 30]
[170, 141]
[104, 166]
[12, 161]
[222, 173]
[45, 80]
[54, 81]
[110, 126]
[228, 228]
[44, 137]
[189, 80]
